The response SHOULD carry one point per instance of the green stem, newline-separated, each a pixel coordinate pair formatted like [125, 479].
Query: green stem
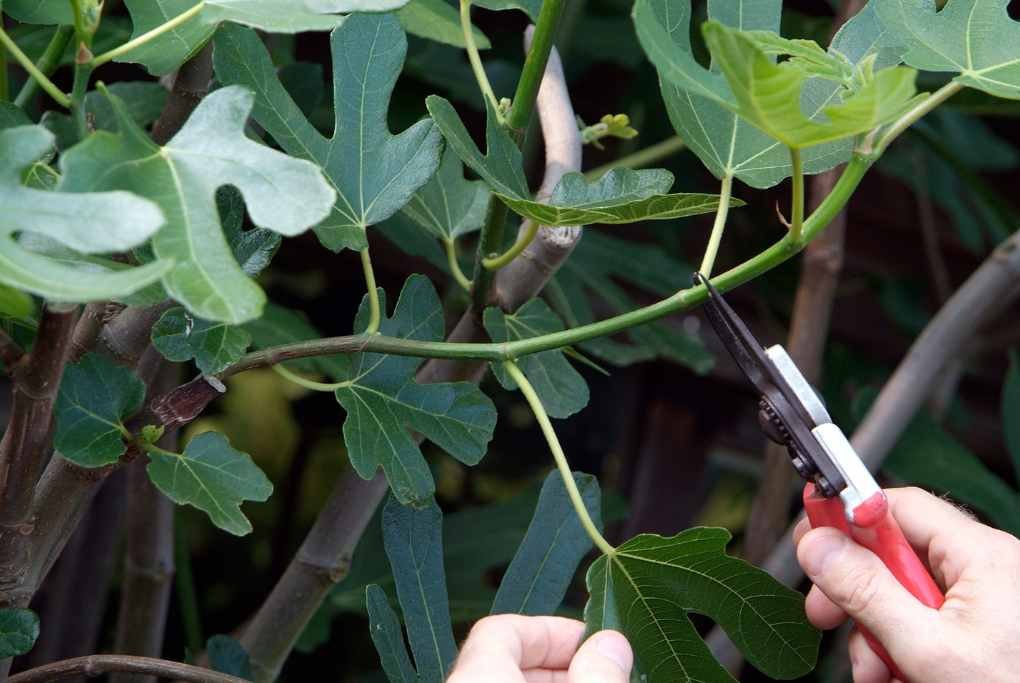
[641, 158]
[186, 595]
[561, 459]
[307, 383]
[497, 262]
[475, 59]
[47, 63]
[534, 66]
[147, 36]
[915, 113]
[489, 241]
[79, 21]
[82, 74]
[455, 269]
[44, 82]
[375, 315]
[685, 299]
[797, 198]
[708, 261]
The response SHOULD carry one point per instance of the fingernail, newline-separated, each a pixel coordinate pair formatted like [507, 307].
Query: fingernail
[615, 647]
[822, 550]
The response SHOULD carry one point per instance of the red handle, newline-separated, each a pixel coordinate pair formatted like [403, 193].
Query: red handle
[877, 531]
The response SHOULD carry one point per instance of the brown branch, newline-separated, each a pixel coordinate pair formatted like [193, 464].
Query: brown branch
[148, 559]
[320, 563]
[190, 85]
[97, 665]
[74, 595]
[86, 332]
[325, 554]
[66, 489]
[809, 328]
[26, 444]
[991, 288]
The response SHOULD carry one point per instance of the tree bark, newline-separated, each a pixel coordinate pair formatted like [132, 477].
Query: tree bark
[74, 596]
[148, 559]
[25, 447]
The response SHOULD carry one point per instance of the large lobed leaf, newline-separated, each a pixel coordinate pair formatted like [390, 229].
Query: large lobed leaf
[374, 172]
[74, 218]
[620, 196]
[96, 396]
[213, 477]
[768, 95]
[282, 194]
[976, 39]
[647, 587]
[171, 49]
[559, 386]
[414, 545]
[385, 404]
[725, 142]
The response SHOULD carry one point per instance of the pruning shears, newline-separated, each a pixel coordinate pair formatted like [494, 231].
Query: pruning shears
[840, 491]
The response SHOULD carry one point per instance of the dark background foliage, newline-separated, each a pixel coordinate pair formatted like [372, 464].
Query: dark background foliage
[685, 448]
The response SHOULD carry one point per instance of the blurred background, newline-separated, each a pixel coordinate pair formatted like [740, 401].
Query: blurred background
[672, 431]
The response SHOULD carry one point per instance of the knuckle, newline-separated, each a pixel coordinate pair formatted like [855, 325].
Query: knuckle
[862, 588]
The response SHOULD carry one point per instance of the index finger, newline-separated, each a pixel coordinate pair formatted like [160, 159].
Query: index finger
[500, 647]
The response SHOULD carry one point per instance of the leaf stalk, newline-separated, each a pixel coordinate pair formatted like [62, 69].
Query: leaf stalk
[915, 113]
[47, 63]
[797, 195]
[44, 82]
[708, 261]
[375, 315]
[311, 385]
[455, 269]
[497, 262]
[604, 546]
[475, 60]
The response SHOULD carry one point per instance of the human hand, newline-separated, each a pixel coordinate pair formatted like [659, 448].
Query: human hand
[509, 648]
[974, 636]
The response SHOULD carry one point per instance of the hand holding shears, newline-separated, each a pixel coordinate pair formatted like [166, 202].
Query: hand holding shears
[840, 491]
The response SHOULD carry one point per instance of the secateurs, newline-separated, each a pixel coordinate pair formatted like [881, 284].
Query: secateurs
[840, 491]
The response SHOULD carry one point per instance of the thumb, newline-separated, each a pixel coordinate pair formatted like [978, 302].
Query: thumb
[855, 579]
[606, 657]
